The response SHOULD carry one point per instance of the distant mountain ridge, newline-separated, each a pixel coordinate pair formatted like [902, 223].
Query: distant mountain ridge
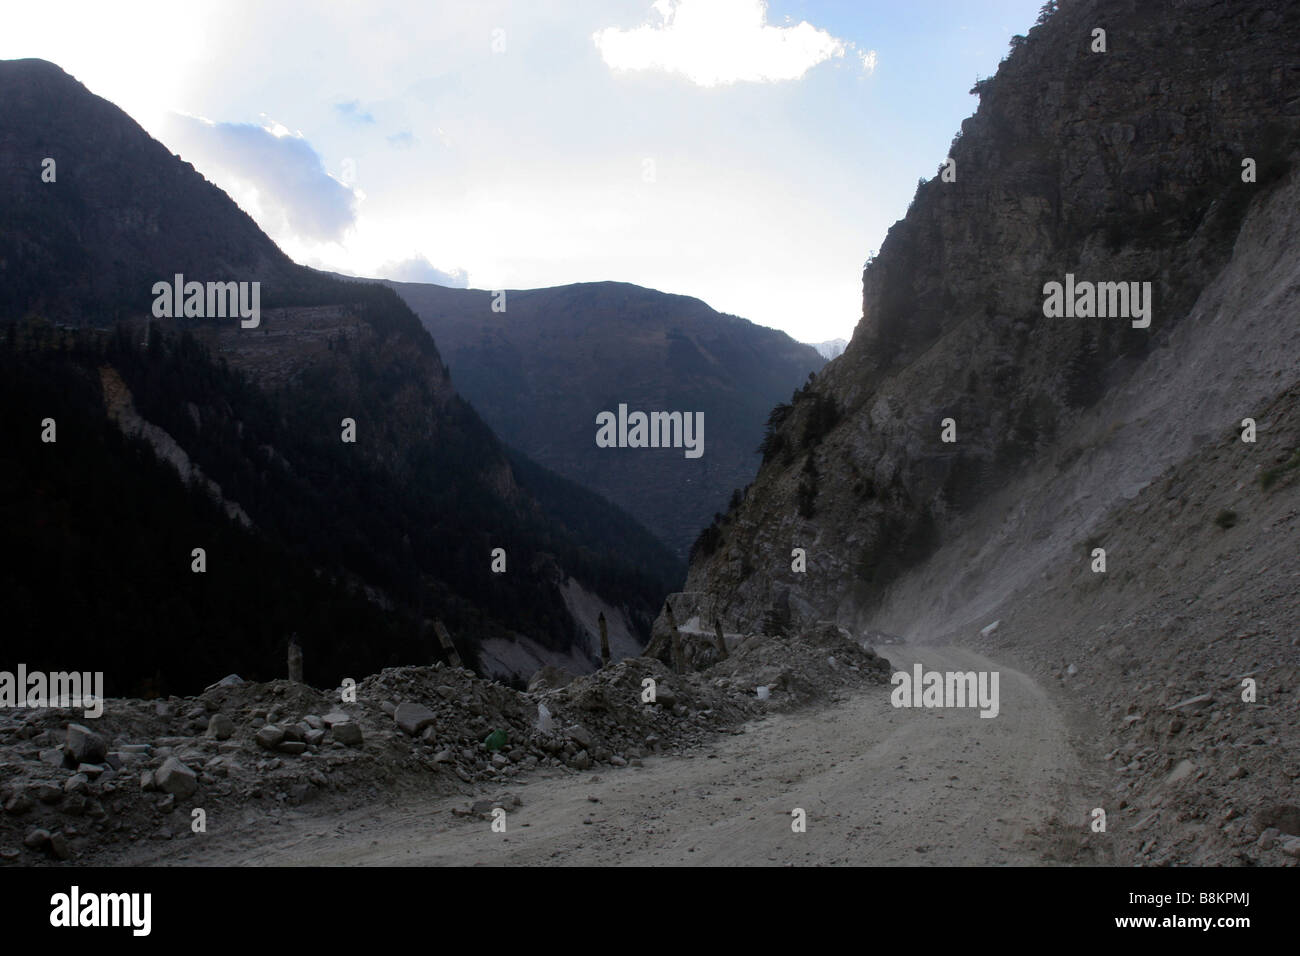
[831, 348]
[543, 369]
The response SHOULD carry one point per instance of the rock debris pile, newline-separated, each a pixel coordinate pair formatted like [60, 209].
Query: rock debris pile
[71, 788]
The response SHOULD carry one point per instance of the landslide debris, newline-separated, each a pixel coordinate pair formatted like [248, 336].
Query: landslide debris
[73, 789]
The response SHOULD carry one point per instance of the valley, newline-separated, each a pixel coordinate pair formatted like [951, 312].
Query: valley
[395, 571]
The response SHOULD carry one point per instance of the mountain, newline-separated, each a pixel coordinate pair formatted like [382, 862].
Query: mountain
[545, 366]
[1114, 515]
[831, 348]
[120, 208]
[176, 434]
[1168, 159]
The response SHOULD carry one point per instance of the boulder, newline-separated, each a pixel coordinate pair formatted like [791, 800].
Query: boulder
[580, 761]
[18, 803]
[175, 778]
[48, 793]
[295, 732]
[347, 732]
[581, 736]
[221, 727]
[270, 736]
[413, 718]
[230, 680]
[85, 745]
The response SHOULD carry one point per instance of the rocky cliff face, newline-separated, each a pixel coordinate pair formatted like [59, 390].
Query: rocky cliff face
[1116, 166]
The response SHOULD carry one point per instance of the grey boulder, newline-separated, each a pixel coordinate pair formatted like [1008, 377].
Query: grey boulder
[175, 778]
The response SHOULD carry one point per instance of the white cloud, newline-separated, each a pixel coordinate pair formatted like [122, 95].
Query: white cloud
[419, 269]
[717, 42]
[275, 175]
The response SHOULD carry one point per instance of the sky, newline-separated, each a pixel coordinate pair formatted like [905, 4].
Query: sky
[749, 153]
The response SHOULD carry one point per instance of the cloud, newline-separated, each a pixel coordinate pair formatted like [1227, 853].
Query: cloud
[419, 269]
[275, 175]
[352, 111]
[403, 140]
[717, 42]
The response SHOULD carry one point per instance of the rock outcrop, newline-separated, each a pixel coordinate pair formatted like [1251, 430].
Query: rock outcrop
[1123, 166]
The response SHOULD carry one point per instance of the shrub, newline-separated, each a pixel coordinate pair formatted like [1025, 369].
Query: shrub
[774, 442]
[708, 541]
[822, 417]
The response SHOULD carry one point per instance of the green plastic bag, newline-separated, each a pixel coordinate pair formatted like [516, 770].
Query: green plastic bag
[496, 740]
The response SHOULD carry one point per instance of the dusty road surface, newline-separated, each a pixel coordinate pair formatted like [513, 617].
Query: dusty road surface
[879, 785]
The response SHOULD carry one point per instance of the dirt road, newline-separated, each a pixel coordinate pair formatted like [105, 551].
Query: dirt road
[879, 785]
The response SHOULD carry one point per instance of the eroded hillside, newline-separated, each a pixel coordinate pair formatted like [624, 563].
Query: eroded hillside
[1123, 166]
